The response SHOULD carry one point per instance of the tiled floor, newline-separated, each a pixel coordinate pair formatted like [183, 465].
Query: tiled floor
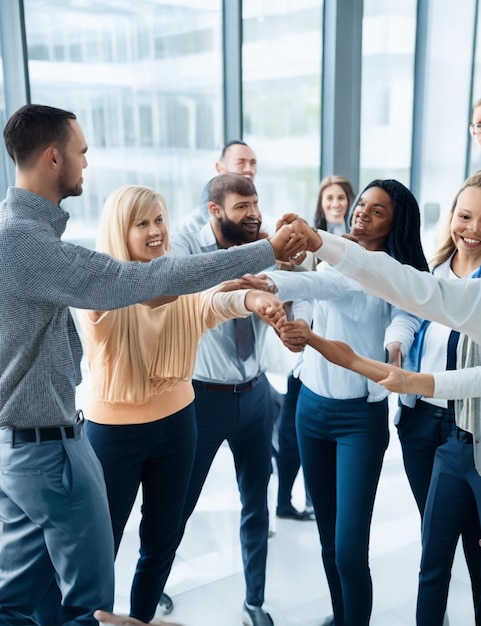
[207, 582]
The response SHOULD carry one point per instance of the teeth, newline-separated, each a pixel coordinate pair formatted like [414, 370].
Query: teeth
[155, 243]
[473, 241]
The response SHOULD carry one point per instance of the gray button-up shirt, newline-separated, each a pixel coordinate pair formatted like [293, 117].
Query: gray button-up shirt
[41, 276]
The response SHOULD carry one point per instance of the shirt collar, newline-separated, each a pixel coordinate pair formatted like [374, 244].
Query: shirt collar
[206, 235]
[25, 203]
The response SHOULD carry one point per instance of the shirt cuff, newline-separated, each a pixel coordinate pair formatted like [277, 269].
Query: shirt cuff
[332, 249]
[458, 384]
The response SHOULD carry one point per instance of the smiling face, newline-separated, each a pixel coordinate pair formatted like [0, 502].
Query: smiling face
[238, 221]
[147, 236]
[334, 204]
[373, 218]
[466, 224]
[238, 159]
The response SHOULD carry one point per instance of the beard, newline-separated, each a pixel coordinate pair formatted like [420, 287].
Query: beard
[66, 187]
[235, 232]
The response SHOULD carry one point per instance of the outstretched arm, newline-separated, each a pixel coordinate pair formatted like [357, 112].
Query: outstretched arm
[295, 335]
[454, 303]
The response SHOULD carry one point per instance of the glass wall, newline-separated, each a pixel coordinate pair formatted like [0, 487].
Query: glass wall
[145, 80]
[474, 149]
[389, 35]
[281, 101]
[446, 110]
[6, 167]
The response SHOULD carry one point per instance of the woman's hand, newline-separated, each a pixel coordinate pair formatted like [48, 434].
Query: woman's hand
[299, 225]
[294, 335]
[266, 306]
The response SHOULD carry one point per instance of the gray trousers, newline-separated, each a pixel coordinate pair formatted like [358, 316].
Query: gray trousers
[56, 548]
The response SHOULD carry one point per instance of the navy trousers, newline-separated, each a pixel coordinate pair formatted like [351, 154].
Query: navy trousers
[245, 420]
[422, 429]
[287, 457]
[56, 548]
[454, 484]
[157, 455]
[342, 445]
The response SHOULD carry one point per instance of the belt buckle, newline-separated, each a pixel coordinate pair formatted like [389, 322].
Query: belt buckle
[241, 387]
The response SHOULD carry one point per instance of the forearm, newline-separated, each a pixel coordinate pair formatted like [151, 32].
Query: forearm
[418, 383]
[341, 354]
[453, 303]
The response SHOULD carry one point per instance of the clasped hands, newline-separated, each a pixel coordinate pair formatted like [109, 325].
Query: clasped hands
[272, 311]
[293, 238]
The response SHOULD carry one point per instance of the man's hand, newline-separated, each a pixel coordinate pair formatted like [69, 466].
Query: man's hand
[266, 306]
[294, 335]
[288, 243]
[262, 282]
[299, 225]
[394, 353]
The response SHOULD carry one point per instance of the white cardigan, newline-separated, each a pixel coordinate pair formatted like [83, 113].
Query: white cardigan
[455, 303]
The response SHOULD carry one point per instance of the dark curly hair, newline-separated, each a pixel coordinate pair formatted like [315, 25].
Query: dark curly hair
[404, 241]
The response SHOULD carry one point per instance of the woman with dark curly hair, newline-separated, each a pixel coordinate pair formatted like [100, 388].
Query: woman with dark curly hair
[342, 417]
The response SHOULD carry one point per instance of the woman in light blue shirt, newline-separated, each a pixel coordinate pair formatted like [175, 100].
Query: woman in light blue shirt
[342, 417]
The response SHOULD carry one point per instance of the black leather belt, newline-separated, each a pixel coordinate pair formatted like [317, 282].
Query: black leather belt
[41, 433]
[464, 436]
[224, 388]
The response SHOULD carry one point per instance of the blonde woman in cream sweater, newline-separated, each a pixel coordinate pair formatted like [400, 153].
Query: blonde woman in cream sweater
[141, 418]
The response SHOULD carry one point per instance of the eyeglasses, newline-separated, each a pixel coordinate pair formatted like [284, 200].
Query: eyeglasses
[475, 129]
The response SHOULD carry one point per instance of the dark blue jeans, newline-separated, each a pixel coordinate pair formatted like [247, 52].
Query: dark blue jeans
[422, 429]
[287, 457]
[342, 445]
[157, 455]
[245, 421]
[454, 484]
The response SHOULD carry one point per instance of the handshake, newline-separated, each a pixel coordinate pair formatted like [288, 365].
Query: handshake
[295, 335]
[293, 238]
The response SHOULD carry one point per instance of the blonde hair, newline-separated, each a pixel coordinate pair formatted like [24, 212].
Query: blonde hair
[123, 207]
[446, 246]
[127, 375]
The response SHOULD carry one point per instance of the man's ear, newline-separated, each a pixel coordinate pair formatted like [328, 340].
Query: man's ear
[214, 209]
[53, 157]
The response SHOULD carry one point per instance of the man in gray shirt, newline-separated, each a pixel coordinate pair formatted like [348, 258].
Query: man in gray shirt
[56, 548]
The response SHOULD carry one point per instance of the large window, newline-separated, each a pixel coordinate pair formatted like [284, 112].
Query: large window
[145, 80]
[388, 39]
[474, 150]
[446, 111]
[5, 162]
[281, 101]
